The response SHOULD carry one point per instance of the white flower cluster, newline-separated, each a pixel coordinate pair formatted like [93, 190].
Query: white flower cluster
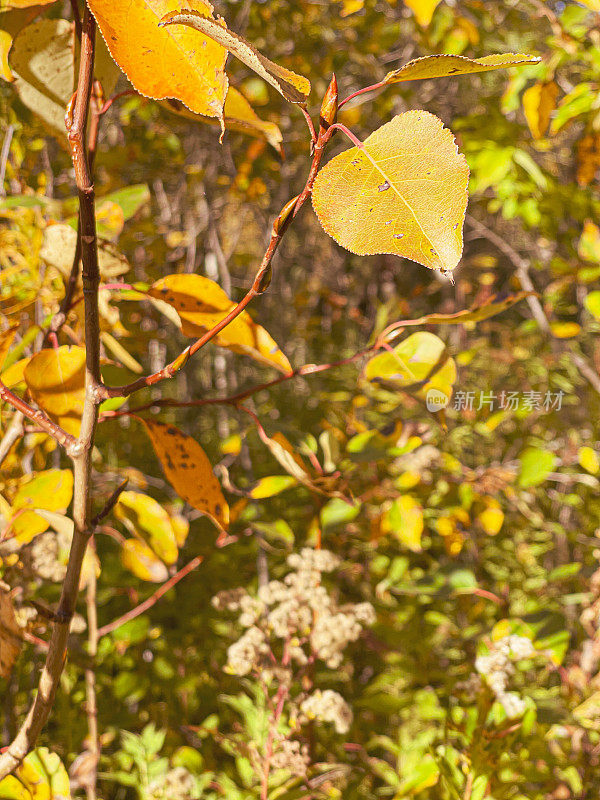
[298, 610]
[293, 756]
[327, 706]
[177, 784]
[498, 666]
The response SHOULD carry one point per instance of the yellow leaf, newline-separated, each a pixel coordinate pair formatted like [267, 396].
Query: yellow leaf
[294, 88]
[50, 490]
[423, 10]
[588, 247]
[239, 116]
[8, 4]
[539, 101]
[271, 485]
[6, 339]
[139, 558]
[491, 518]
[40, 776]
[10, 636]
[404, 191]
[58, 250]
[593, 5]
[588, 458]
[11, 23]
[56, 381]
[441, 66]
[188, 470]
[43, 62]
[15, 373]
[164, 63]
[420, 357]
[201, 304]
[120, 353]
[565, 330]
[404, 519]
[181, 528]
[144, 517]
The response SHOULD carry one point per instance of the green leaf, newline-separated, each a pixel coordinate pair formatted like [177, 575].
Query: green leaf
[535, 466]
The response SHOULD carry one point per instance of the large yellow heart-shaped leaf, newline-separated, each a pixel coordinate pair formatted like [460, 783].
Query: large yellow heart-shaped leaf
[202, 303]
[294, 88]
[188, 470]
[165, 62]
[404, 191]
[56, 380]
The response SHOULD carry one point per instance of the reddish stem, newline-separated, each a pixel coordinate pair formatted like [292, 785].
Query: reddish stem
[152, 600]
[373, 87]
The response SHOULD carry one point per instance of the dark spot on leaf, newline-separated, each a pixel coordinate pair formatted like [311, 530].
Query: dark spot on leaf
[172, 431]
[383, 187]
[398, 235]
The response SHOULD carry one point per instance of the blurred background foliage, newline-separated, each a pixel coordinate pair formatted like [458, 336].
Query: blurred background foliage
[462, 530]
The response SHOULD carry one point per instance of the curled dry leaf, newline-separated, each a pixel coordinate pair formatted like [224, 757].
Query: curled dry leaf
[293, 87]
[10, 633]
[56, 381]
[162, 62]
[188, 470]
[404, 191]
[201, 304]
[441, 66]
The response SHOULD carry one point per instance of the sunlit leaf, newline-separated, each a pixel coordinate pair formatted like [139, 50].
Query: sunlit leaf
[5, 5]
[43, 62]
[588, 246]
[294, 88]
[51, 490]
[418, 358]
[536, 465]
[588, 458]
[56, 381]
[6, 339]
[404, 519]
[11, 22]
[143, 516]
[188, 470]
[10, 636]
[565, 330]
[40, 776]
[163, 62]
[201, 304]
[441, 66]
[423, 10]
[58, 250]
[404, 191]
[539, 101]
[491, 518]
[271, 485]
[137, 557]
[592, 303]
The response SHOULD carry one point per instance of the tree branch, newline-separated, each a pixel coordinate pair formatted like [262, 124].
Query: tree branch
[80, 451]
[41, 420]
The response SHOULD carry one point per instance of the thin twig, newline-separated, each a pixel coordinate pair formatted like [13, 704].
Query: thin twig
[4, 156]
[152, 600]
[39, 417]
[12, 434]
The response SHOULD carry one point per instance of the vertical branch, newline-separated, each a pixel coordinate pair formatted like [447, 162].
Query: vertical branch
[81, 450]
[90, 681]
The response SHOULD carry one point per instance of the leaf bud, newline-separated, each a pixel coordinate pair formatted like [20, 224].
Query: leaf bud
[285, 217]
[329, 106]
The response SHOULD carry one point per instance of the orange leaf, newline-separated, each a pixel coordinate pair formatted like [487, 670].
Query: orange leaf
[539, 101]
[188, 470]
[163, 62]
[404, 191]
[202, 303]
[294, 88]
